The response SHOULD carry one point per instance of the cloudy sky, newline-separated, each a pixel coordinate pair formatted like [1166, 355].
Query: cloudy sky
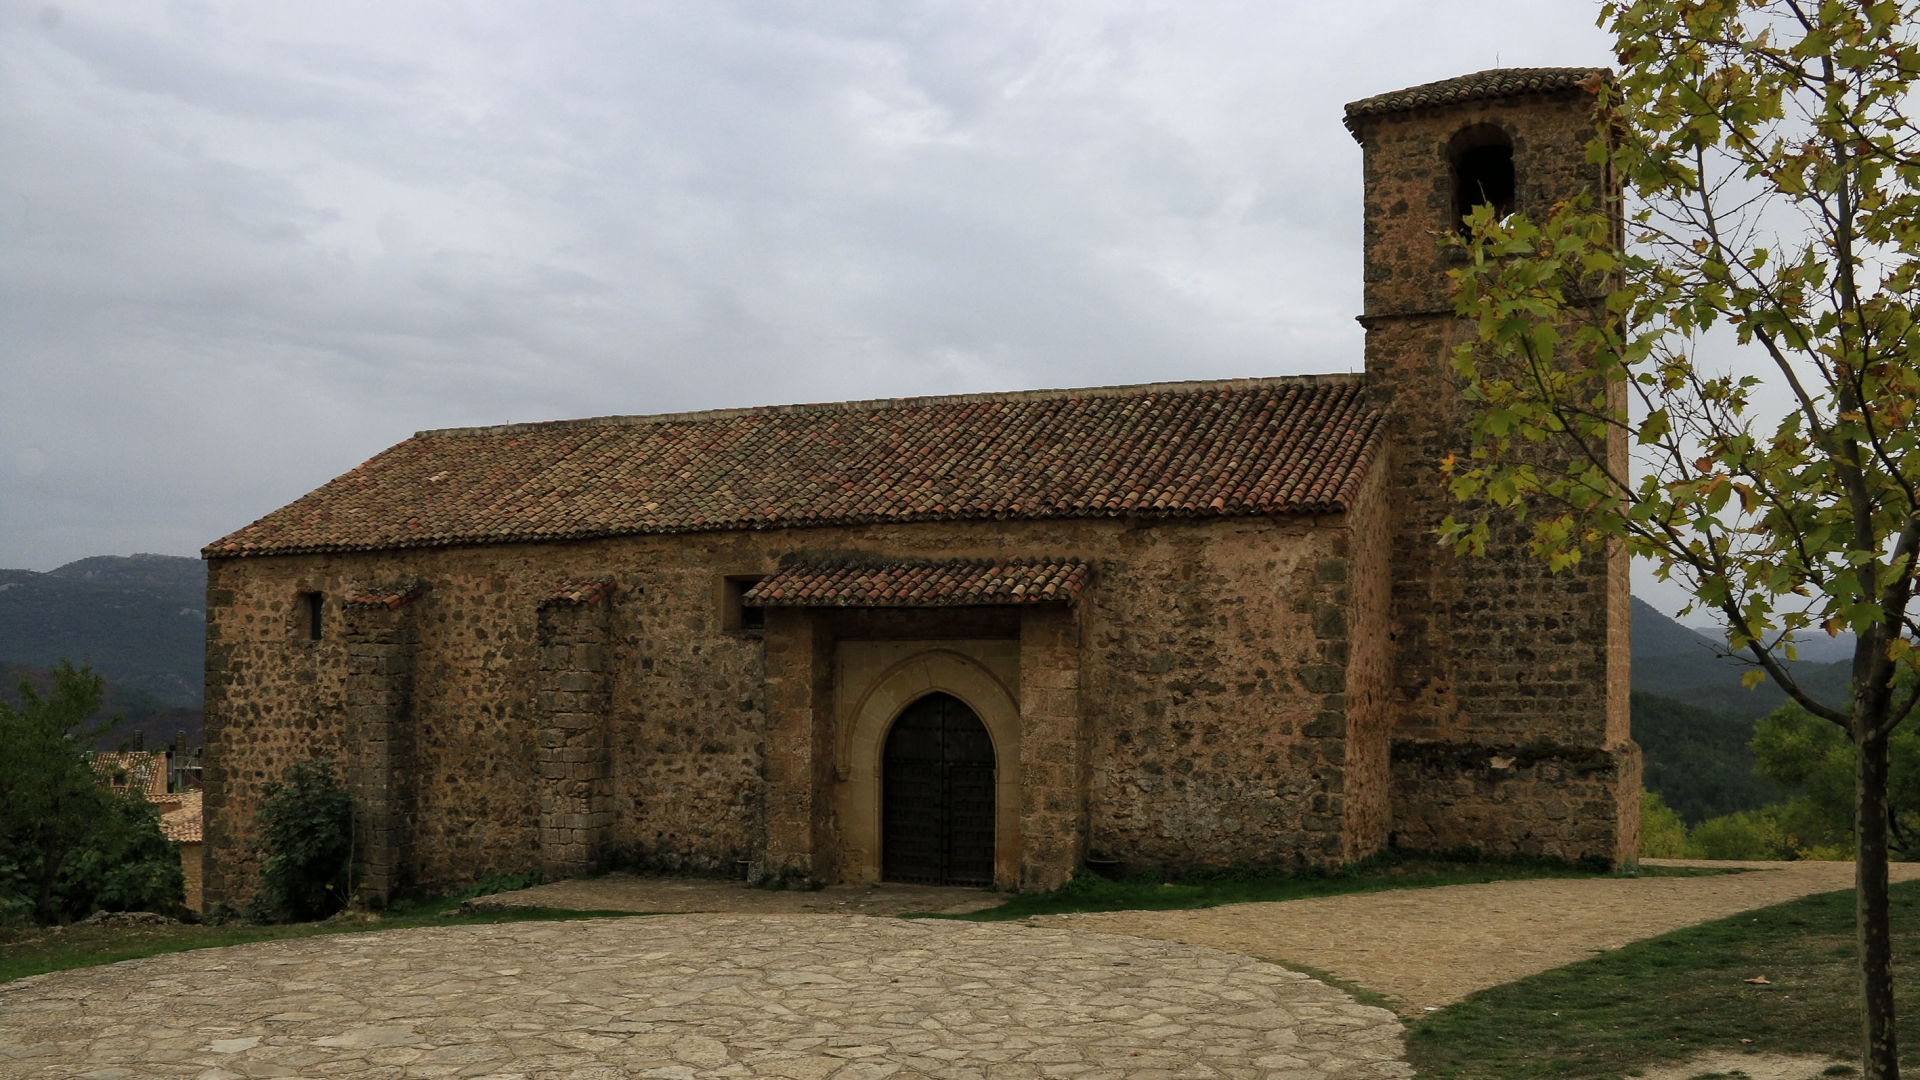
[245, 246]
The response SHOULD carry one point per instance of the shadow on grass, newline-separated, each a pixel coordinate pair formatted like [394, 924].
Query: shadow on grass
[1391, 869]
[1671, 997]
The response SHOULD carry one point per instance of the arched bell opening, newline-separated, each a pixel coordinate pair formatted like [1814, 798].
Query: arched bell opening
[937, 803]
[1481, 160]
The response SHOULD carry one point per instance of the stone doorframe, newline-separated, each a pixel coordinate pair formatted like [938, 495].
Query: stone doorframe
[876, 686]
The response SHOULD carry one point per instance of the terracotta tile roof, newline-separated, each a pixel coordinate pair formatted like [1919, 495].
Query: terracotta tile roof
[1481, 85]
[391, 597]
[185, 824]
[578, 594]
[895, 583]
[1222, 449]
[144, 771]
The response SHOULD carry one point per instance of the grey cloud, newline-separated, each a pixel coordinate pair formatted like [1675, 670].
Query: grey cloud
[239, 256]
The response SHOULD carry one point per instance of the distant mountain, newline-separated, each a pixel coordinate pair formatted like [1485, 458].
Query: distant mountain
[1815, 647]
[140, 621]
[1687, 666]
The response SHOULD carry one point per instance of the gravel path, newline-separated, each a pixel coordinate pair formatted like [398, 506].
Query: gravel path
[1431, 947]
[685, 996]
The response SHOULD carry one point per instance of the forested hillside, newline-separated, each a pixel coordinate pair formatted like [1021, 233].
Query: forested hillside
[1693, 719]
[141, 621]
[1698, 760]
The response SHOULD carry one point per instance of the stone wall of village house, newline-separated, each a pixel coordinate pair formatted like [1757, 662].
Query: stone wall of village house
[1212, 660]
[1510, 694]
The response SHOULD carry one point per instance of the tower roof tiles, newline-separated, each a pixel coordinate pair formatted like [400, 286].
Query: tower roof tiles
[1479, 86]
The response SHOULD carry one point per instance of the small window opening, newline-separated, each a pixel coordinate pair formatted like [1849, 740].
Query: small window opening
[735, 614]
[1482, 172]
[311, 606]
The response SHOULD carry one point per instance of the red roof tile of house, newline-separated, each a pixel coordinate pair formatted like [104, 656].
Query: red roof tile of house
[1219, 449]
[952, 583]
[185, 823]
[144, 771]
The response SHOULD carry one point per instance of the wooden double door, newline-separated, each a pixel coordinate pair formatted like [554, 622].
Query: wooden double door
[937, 791]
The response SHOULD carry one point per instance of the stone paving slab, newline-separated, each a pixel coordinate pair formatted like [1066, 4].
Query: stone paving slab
[655, 895]
[1432, 947]
[685, 996]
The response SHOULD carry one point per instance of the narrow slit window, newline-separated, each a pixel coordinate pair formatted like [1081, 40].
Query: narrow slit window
[312, 606]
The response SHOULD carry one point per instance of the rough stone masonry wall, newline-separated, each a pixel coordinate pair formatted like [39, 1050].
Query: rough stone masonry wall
[273, 698]
[1199, 681]
[1215, 689]
[1510, 710]
[684, 723]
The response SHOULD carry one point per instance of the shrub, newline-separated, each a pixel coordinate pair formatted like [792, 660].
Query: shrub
[1662, 834]
[1789, 830]
[304, 828]
[1750, 834]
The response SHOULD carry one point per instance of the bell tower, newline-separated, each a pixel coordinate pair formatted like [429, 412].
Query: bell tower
[1509, 701]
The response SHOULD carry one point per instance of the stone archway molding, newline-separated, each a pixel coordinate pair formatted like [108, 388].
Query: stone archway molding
[862, 744]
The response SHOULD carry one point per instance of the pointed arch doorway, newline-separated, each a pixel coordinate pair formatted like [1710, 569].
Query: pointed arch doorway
[937, 796]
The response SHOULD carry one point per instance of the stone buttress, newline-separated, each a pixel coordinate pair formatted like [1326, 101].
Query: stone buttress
[573, 757]
[381, 642]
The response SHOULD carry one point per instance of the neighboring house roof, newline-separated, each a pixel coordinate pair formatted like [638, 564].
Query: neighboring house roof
[144, 771]
[1481, 85]
[1213, 449]
[953, 583]
[184, 825]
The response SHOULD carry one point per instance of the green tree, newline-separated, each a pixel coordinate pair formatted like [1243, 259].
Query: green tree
[1812, 762]
[128, 865]
[1775, 205]
[51, 808]
[305, 832]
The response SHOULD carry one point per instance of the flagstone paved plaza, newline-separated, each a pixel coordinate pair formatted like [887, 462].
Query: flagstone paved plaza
[684, 996]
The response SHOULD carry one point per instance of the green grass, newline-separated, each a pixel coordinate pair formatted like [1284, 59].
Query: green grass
[36, 951]
[1388, 870]
[1677, 995]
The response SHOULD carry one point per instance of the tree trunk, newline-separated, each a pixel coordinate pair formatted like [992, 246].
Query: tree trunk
[1879, 1058]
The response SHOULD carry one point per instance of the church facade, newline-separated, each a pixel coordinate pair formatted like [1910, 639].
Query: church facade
[974, 640]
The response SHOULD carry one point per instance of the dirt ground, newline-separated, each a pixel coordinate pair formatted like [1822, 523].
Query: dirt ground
[1421, 947]
[1431, 947]
[667, 895]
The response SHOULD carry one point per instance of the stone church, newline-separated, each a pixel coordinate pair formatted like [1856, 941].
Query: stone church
[975, 640]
